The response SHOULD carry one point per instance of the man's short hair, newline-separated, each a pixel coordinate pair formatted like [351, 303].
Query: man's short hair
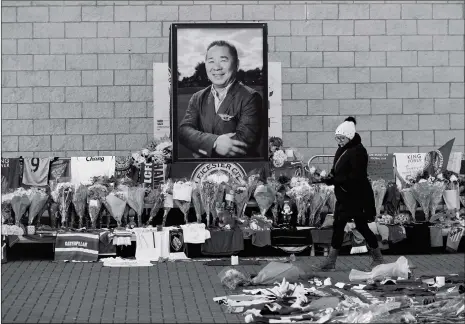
[231, 47]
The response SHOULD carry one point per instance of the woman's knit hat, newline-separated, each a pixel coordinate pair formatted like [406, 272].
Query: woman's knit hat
[347, 128]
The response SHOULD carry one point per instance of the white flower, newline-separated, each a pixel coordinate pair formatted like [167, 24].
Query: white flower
[440, 176]
[145, 152]
[136, 156]
[422, 180]
[312, 170]
[453, 178]
[323, 173]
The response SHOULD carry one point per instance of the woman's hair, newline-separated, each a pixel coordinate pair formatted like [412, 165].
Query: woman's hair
[351, 119]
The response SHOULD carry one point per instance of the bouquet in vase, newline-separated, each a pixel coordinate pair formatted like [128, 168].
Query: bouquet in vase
[20, 203]
[182, 195]
[422, 191]
[301, 194]
[135, 200]
[95, 196]
[156, 198]
[207, 196]
[409, 201]
[167, 193]
[38, 201]
[80, 202]
[379, 191]
[241, 197]
[197, 202]
[64, 192]
[265, 195]
[115, 207]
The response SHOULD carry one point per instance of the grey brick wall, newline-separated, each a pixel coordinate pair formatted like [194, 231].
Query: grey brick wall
[77, 79]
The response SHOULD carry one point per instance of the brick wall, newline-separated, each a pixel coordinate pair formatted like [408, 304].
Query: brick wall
[77, 79]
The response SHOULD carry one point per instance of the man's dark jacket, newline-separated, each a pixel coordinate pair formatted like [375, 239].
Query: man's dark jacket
[353, 190]
[201, 125]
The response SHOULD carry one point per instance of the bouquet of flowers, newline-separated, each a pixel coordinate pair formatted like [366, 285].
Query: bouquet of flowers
[265, 195]
[38, 201]
[316, 175]
[80, 202]
[156, 197]
[6, 207]
[331, 199]
[278, 198]
[182, 195]
[95, 195]
[115, 207]
[241, 197]
[64, 192]
[20, 203]
[278, 158]
[220, 179]
[391, 203]
[167, 193]
[437, 190]
[197, 201]
[274, 144]
[298, 181]
[422, 192]
[135, 200]
[318, 201]
[207, 195]
[252, 182]
[452, 190]
[409, 200]
[379, 191]
[301, 194]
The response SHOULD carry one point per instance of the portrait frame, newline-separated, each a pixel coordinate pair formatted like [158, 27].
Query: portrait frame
[179, 98]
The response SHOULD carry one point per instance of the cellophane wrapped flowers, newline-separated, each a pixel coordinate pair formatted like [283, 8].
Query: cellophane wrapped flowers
[409, 201]
[318, 201]
[38, 200]
[422, 191]
[80, 202]
[265, 195]
[437, 190]
[253, 181]
[167, 193]
[379, 191]
[279, 158]
[301, 194]
[64, 192]
[232, 278]
[95, 195]
[135, 200]
[156, 198]
[221, 180]
[392, 199]
[197, 202]
[6, 207]
[182, 195]
[241, 197]
[115, 207]
[207, 195]
[20, 203]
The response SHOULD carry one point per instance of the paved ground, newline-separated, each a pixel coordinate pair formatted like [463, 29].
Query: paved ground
[49, 292]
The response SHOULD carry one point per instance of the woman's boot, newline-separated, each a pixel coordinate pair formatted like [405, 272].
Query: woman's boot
[377, 257]
[329, 264]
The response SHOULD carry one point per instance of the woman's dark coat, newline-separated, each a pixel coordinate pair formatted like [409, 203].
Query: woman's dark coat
[353, 190]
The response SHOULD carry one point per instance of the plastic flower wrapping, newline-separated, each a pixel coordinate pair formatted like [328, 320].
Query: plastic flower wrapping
[278, 197]
[135, 200]
[64, 192]
[301, 194]
[331, 203]
[437, 191]
[410, 201]
[38, 201]
[80, 202]
[379, 191]
[6, 207]
[182, 195]
[197, 202]
[265, 195]
[422, 191]
[252, 182]
[232, 278]
[20, 203]
[392, 199]
[241, 197]
[318, 201]
[115, 207]
[298, 181]
[220, 179]
[156, 198]
[207, 196]
[95, 195]
[167, 192]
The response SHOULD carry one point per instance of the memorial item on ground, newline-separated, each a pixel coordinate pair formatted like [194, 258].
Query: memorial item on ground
[156, 196]
[80, 202]
[39, 199]
[182, 195]
[197, 202]
[379, 191]
[301, 192]
[95, 195]
[167, 192]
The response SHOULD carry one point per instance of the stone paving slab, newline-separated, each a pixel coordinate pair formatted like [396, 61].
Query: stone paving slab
[181, 292]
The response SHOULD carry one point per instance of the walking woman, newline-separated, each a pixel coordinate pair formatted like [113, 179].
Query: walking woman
[354, 195]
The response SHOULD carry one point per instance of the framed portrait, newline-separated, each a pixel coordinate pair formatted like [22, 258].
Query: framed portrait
[219, 92]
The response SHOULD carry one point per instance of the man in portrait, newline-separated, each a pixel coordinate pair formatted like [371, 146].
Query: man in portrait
[224, 120]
